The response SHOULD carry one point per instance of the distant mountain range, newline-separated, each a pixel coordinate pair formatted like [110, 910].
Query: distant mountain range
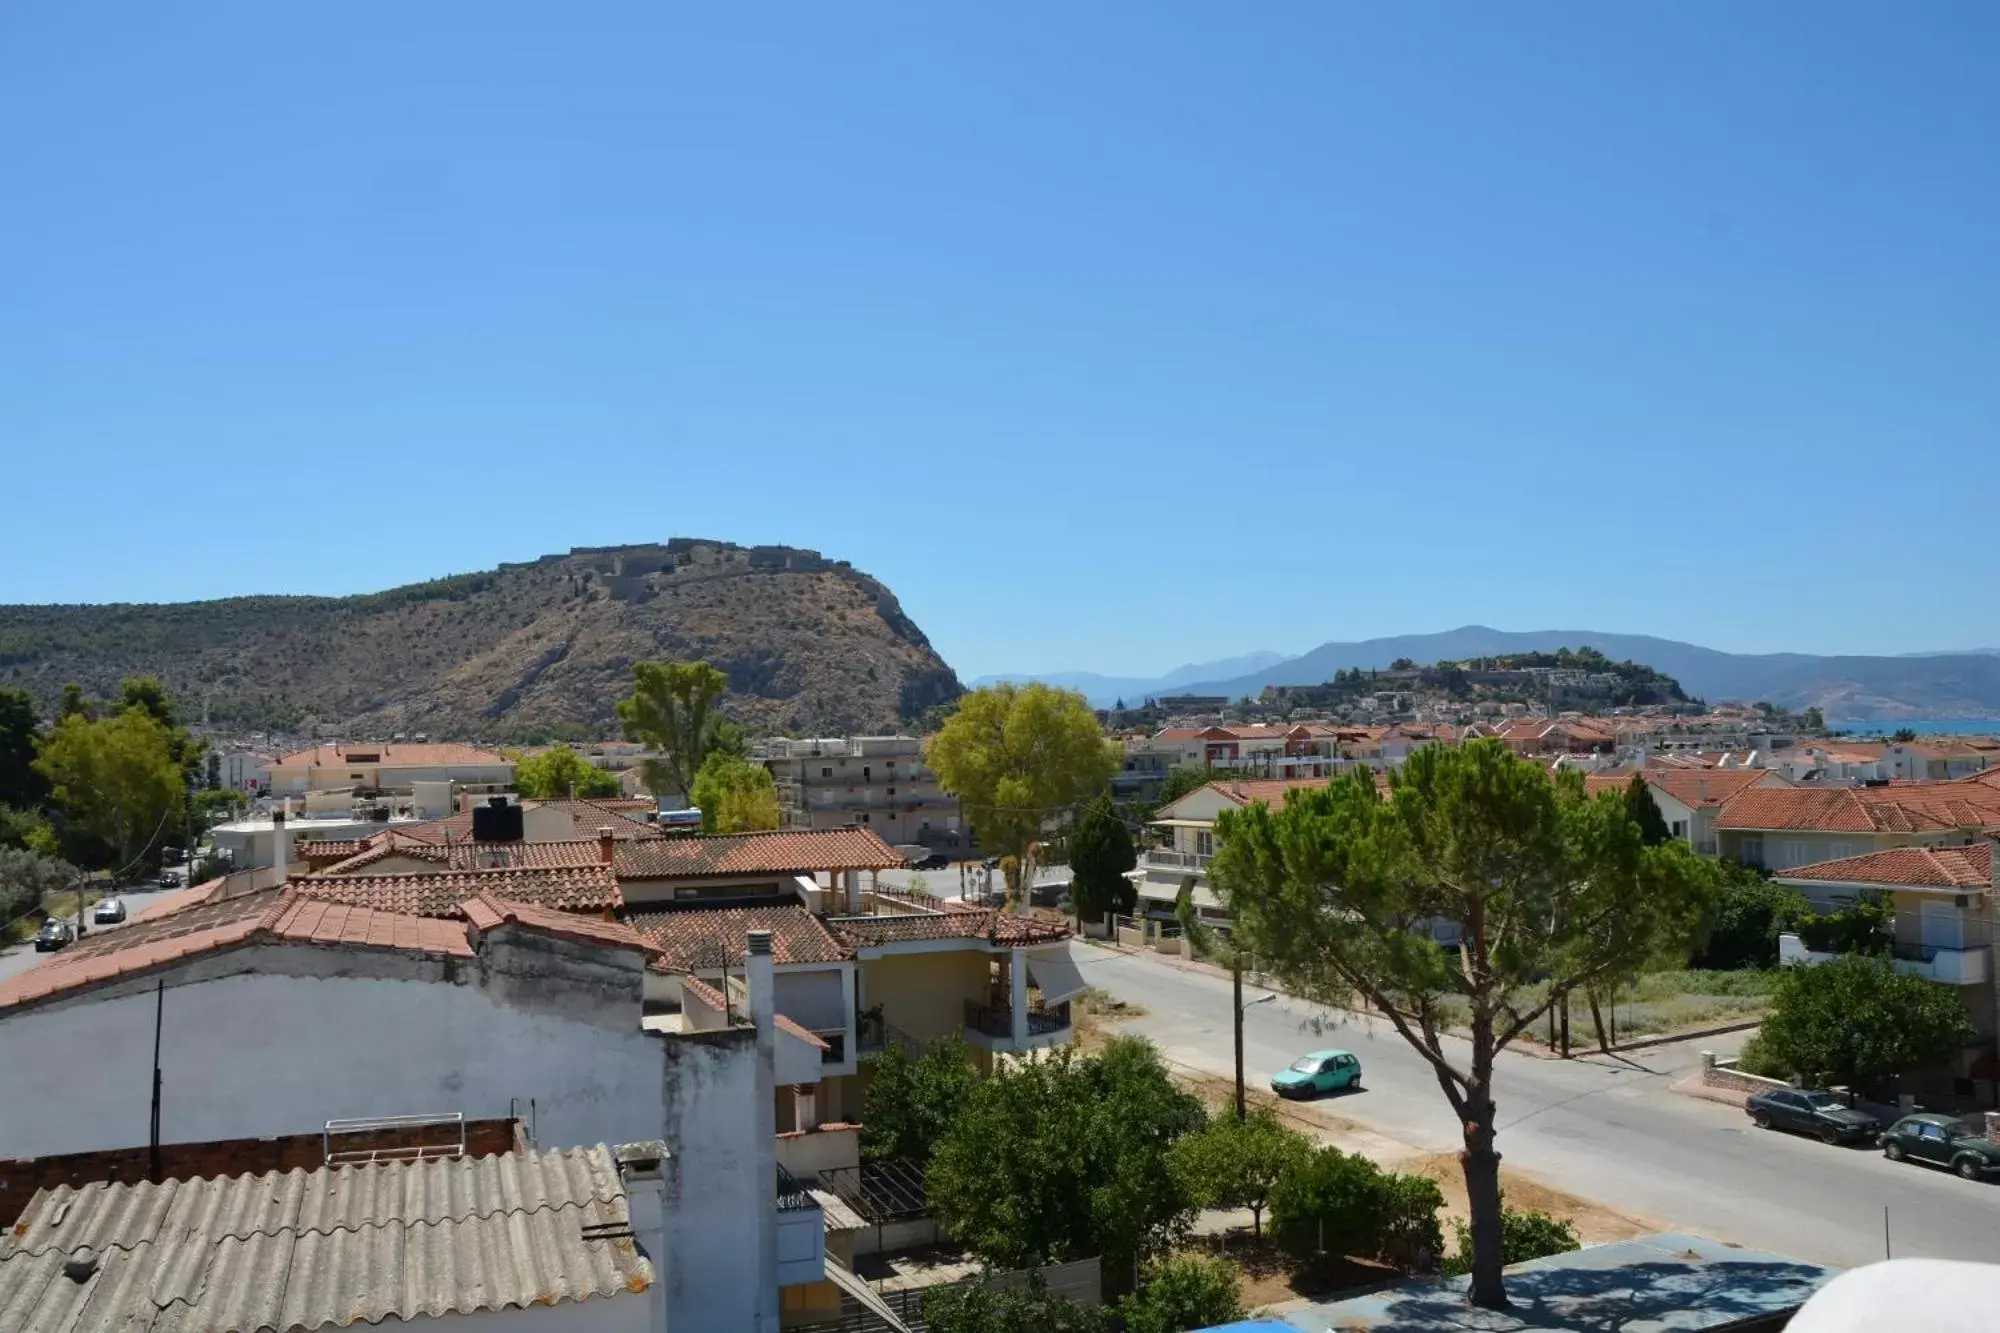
[1107, 690]
[1848, 689]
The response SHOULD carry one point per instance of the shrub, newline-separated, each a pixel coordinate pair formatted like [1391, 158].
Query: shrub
[1182, 1293]
[977, 1307]
[911, 1103]
[1745, 919]
[1756, 1058]
[1412, 1239]
[1524, 1235]
[1330, 1203]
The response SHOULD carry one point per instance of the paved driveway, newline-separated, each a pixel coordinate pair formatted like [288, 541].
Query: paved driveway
[1606, 1129]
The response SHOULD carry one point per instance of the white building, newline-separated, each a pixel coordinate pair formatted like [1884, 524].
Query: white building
[277, 1012]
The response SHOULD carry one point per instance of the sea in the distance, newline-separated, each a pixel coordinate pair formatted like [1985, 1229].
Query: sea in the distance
[1979, 726]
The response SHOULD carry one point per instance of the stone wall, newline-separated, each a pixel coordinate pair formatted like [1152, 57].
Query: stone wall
[1721, 1072]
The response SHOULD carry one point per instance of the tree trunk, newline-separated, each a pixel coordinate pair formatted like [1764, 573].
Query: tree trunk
[1256, 1219]
[1482, 1175]
[1597, 1021]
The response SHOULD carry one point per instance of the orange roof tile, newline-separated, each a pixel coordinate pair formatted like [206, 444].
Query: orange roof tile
[488, 911]
[1699, 787]
[568, 853]
[272, 915]
[975, 924]
[1271, 791]
[570, 889]
[586, 817]
[706, 938]
[1914, 808]
[800, 1031]
[1968, 867]
[780, 852]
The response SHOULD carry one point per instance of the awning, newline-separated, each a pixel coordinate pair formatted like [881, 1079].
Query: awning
[1056, 972]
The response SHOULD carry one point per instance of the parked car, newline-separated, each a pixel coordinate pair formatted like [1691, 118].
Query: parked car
[1322, 1071]
[1818, 1113]
[54, 934]
[169, 879]
[1943, 1140]
[108, 912]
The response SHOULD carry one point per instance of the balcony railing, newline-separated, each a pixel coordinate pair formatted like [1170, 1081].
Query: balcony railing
[994, 1020]
[791, 1194]
[1172, 860]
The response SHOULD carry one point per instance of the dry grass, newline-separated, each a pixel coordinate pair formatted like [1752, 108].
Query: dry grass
[1594, 1223]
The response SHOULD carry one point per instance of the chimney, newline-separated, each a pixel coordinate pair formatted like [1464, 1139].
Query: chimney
[646, 1170]
[281, 841]
[606, 844]
[760, 980]
[1702, 788]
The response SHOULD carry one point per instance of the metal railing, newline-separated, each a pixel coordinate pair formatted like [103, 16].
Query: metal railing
[993, 1020]
[793, 1196]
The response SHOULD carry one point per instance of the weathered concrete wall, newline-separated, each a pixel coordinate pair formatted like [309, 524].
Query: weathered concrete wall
[808, 1152]
[273, 1041]
[709, 1088]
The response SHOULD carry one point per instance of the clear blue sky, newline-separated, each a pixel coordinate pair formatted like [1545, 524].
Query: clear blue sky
[1111, 336]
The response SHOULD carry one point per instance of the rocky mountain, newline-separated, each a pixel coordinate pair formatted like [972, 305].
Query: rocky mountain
[541, 648]
[1847, 688]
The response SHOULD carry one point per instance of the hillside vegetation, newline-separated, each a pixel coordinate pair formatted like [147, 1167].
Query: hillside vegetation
[527, 651]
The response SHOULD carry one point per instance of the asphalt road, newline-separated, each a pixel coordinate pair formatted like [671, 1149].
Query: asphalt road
[23, 956]
[1608, 1129]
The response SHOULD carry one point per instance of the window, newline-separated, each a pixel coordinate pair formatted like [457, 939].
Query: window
[826, 772]
[1679, 828]
[1935, 1133]
[1204, 843]
[864, 816]
[892, 791]
[866, 773]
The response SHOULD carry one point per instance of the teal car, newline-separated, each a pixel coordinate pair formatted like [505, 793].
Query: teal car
[1322, 1071]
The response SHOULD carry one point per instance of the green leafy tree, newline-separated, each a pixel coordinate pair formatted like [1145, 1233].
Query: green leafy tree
[673, 710]
[1180, 781]
[25, 829]
[75, 703]
[1745, 918]
[217, 806]
[1019, 757]
[1329, 1203]
[1234, 1163]
[911, 1103]
[20, 784]
[735, 795]
[1553, 891]
[1903, 736]
[1181, 1293]
[1524, 1235]
[561, 772]
[1813, 719]
[1856, 1020]
[1100, 852]
[26, 876]
[1063, 1156]
[981, 1307]
[148, 696]
[116, 779]
[1643, 810]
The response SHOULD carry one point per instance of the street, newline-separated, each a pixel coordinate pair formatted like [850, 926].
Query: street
[19, 958]
[1606, 1128]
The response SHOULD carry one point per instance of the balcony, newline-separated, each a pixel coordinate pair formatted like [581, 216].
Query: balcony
[801, 1233]
[991, 1026]
[1172, 860]
[1954, 967]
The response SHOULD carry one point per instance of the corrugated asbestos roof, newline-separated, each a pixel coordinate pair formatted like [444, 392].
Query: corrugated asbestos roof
[338, 1247]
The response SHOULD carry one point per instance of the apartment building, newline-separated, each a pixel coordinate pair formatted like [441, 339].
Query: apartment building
[878, 782]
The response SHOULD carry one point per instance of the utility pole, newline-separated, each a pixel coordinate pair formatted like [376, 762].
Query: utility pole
[159, 1010]
[1236, 985]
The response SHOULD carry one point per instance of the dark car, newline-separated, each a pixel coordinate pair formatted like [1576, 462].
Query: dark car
[53, 935]
[1943, 1140]
[1819, 1113]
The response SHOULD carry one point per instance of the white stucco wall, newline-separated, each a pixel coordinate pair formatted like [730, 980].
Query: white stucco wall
[254, 1054]
[711, 1088]
[626, 1312]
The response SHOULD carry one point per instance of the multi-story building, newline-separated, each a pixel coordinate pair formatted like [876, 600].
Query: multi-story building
[878, 782]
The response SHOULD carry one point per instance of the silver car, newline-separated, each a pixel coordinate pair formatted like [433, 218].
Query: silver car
[108, 912]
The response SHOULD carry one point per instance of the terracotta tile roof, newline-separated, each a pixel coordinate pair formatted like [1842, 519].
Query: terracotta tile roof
[487, 911]
[975, 924]
[566, 854]
[318, 853]
[781, 852]
[1272, 791]
[396, 754]
[1969, 867]
[701, 990]
[438, 894]
[193, 896]
[1698, 787]
[1915, 808]
[708, 938]
[270, 915]
[803, 1033]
